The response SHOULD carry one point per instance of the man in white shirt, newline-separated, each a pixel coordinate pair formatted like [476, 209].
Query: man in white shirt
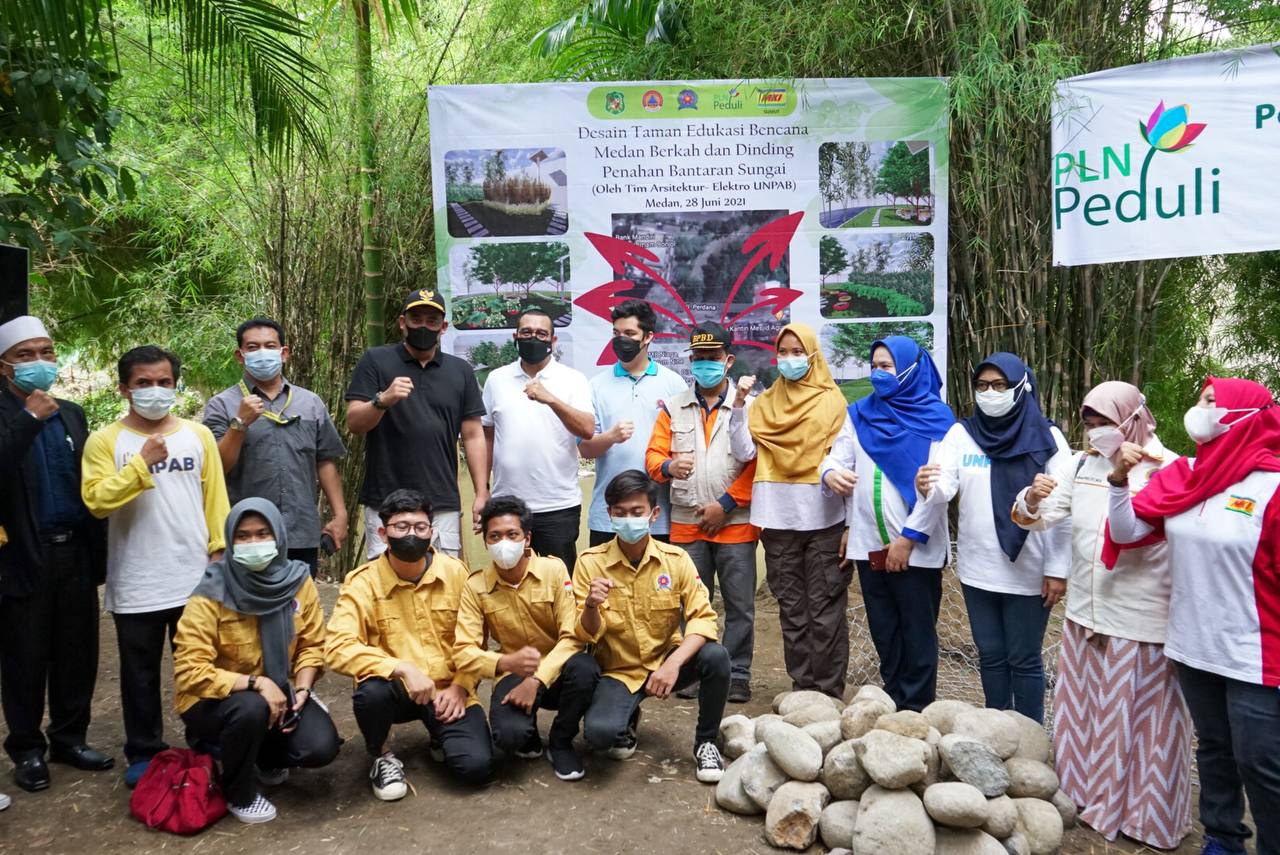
[536, 410]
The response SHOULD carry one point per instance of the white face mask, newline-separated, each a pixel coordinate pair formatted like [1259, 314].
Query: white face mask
[153, 402]
[996, 404]
[1106, 440]
[256, 555]
[506, 553]
[1204, 424]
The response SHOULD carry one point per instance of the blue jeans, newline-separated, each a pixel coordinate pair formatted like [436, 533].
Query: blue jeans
[1238, 747]
[735, 564]
[1009, 632]
[902, 615]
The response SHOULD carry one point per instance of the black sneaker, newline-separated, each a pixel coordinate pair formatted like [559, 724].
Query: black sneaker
[709, 762]
[739, 691]
[566, 762]
[387, 777]
[626, 746]
[689, 692]
[532, 748]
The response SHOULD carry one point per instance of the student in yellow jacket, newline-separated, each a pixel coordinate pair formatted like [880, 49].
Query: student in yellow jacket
[250, 647]
[393, 631]
[525, 602]
[633, 592]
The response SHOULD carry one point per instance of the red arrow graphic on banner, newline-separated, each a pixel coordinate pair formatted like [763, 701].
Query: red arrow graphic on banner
[769, 241]
[622, 254]
[779, 298]
[600, 300]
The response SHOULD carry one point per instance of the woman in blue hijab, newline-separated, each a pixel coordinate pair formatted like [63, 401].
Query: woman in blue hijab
[898, 546]
[1010, 578]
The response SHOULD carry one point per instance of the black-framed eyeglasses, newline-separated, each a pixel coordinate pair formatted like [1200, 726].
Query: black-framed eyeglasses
[402, 528]
[991, 385]
[540, 335]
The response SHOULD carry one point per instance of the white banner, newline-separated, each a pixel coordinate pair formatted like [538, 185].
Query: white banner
[1168, 159]
[749, 204]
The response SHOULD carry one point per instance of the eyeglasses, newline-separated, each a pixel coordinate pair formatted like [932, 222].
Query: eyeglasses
[991, 385]
[403, 528]
[526, 333]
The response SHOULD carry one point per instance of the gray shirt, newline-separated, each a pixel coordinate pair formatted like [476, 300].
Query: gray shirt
[278, 461]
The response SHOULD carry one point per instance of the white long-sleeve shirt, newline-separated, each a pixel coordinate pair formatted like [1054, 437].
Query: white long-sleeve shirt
[777, 504]
[980, 562]
[1132, 600]
[930, 521]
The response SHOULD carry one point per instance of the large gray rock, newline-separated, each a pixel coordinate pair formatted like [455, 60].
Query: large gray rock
[737, 735]
[761, 777]
[874, 693]
[942, 714]
[1002, 817]
[1041, 823]
[730, 794]
[1016, 844]
[956, 804]
[836, 824]
[974, 763]
[989, 726]
[1066, 809]
[826, 734]
[792, 819]
[1033, 740]
[953, 841]
[762, 724]
[812, 714]
[789, 702]
[891, 760]
[796, 752]
[1030, 779]
[842, 773]
[892, 822]
[906, 723]
[860, 717]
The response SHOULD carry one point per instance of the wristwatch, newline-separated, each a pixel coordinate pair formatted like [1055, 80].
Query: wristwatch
[253, 682]
[237, 423]
[377, 401]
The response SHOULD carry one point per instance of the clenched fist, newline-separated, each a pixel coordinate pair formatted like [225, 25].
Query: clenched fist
[154, 450]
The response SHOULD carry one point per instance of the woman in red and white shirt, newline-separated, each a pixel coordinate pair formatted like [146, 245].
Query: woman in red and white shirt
[1220, 514]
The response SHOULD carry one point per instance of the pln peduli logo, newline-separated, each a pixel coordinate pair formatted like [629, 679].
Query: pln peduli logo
[1167, 130]
[615, 103]
[687, 100]
[651, 101]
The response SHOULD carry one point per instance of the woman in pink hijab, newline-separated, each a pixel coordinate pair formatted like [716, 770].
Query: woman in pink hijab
[1122, 734]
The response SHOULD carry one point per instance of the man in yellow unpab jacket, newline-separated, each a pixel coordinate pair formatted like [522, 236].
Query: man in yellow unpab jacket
[392, 630]
[632, 593]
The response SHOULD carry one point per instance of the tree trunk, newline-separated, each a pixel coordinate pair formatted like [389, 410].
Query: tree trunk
[371, 247]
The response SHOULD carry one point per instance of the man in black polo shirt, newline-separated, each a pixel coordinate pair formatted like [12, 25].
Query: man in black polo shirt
[414, 401]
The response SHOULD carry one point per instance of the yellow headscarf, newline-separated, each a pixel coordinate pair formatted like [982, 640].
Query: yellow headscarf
[795, 423]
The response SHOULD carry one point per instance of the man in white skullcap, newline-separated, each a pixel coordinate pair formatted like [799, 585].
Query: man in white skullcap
[50, 566]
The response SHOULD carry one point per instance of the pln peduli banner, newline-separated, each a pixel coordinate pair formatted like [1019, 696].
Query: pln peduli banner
[752, 204]
[1168, 159]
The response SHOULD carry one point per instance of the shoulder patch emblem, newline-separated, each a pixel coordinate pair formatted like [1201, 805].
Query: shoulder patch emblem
[663, 582]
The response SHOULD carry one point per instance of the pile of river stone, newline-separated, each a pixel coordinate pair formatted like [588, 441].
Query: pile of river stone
[952, 780]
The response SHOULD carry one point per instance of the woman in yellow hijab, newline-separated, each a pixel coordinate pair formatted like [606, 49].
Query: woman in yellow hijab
[788, 430]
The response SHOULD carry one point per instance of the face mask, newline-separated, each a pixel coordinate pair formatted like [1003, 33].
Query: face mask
[263, 364]
[631, 529]
[996, 404]
[533, 350]
[884, 382]
[421, 338]
[707, 373]
[506, 553]
[1106, 440]
[1204, 424]
[626, 349]
[409, 548]
[153, 402]
[29, 376]
[793, 367]
[255, 556]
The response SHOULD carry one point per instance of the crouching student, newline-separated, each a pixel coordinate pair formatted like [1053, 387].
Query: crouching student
[392, 630]
[633, 592]
[525, 602]
[249, 648]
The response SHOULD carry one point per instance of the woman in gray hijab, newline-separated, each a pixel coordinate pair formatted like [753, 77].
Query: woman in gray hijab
[249, 648]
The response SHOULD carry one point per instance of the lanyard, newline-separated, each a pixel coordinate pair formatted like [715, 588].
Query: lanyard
[875, 501]
[279, 418]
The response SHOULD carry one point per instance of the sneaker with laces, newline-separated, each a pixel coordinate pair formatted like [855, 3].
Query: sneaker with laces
[272, 777]
[259, 810]
[566, 762]
[709, 762]
[626, 745]
[387, 777]
[1214, 846]
[532, 748]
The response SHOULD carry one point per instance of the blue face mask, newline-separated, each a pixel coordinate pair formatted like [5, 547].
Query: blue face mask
[29, 376]
[263, 364]
[794, 367]
[707, 372]
[886, 382]
[630, 529]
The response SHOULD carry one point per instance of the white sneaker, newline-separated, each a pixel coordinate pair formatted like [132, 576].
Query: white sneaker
[272, 777]
[260, 810]
[387, 777]
[710, 764]
[4, 801]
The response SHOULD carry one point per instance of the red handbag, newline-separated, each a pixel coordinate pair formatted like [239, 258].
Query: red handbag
[179, 793]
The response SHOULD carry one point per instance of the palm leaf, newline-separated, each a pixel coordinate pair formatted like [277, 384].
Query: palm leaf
[596, 40]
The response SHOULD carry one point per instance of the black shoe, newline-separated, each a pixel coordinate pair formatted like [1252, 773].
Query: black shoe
[739, 691]
[625, 747]
[689, 692]
[532, 748]
[32, 774]
[566, 762]
[82, 757]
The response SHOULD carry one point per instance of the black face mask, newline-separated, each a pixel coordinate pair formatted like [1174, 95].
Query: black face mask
[626, 349]
[533, 350]
[421, 338]
[409, 548]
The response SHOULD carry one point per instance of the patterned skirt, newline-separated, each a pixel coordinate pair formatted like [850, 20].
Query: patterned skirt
[1122, 738]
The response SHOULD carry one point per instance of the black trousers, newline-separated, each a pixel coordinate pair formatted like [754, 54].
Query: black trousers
[555, 533]
[468, 748]
[902, 614]
[595, 538]
[49, 642]
[309, 557]
[141, 638]
[236, 729]
[569, 696]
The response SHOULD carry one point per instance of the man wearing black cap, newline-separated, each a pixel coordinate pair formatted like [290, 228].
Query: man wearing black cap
[710, 494]
[414, 401]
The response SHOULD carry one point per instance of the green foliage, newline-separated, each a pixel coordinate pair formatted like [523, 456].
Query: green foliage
[520, 264]
[594, 43]
[903, 174]
[851, 343]
[873, 301]
[832, 259]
